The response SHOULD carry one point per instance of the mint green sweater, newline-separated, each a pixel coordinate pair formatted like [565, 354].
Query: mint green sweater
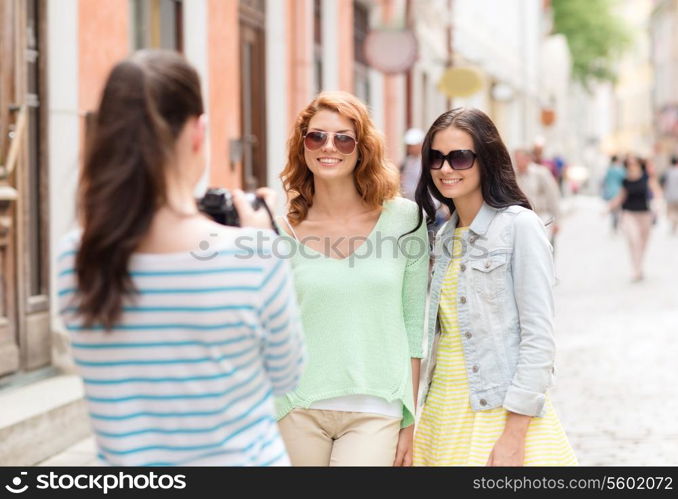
[363, 316]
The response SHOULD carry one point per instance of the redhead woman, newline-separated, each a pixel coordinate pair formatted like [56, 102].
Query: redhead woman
[361, 286]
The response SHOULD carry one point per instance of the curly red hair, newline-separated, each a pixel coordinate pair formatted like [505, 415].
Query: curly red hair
[375, 179]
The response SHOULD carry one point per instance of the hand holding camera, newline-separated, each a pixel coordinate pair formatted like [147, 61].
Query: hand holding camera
[240, 209]
[255, 215]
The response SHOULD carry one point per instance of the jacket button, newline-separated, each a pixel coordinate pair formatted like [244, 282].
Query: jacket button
[476, 369]
[468, 335]
[487, 265]
[463, 267]
[473, 239]
[483, 402]
[463, 299]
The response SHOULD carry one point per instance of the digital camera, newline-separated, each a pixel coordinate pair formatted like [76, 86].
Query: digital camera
[217, 203]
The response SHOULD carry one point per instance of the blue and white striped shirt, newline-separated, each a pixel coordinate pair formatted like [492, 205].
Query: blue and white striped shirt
[187, 376]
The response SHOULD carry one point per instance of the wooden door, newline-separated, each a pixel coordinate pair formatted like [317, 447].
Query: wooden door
[9, 341]
[24, 284]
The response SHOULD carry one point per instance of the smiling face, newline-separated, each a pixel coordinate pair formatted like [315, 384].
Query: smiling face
[327, 162]
[455, 184]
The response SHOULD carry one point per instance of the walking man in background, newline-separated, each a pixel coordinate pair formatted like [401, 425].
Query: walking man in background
[541, 189]
[671, 193]
[612, 184]
[410, 169]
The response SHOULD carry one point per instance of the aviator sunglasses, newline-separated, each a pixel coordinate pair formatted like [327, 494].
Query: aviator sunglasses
[460, 159]
[343, 143]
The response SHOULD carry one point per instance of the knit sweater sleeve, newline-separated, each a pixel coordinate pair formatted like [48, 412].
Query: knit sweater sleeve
[414, 288]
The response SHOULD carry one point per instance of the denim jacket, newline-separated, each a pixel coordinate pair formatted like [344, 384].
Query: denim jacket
[505, 309]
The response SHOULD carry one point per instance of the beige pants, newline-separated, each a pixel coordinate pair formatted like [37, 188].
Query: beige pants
[316, 437]
[636, 225]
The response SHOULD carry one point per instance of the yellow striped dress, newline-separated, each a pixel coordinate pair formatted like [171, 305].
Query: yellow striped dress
[450, 432]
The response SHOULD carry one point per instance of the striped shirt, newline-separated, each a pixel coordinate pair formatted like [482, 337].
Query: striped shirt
[187, 376]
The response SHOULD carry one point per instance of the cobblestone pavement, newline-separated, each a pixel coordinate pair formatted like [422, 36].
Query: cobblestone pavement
[617, 342]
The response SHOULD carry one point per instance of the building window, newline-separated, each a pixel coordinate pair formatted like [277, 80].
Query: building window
[361, 27]
[158, 24]
[317, 45]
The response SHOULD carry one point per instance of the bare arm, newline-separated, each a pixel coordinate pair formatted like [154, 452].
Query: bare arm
[406, 437]
[510, 447]
[656, 189]
[616, 202]
[416, 366]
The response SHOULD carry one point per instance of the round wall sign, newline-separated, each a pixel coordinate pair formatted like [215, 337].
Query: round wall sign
[391, 51]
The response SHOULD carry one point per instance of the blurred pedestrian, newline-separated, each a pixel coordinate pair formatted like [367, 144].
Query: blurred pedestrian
[612, 184]
[636, 219]
[671, 193]
[180, 349]
[556, 165]
[491, 348]
[410, 169]
[653, 179]
[362, 299]
[538, 184]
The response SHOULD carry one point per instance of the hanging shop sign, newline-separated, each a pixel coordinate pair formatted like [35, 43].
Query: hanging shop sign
[461, 81]
[391, 51]
[548, 116]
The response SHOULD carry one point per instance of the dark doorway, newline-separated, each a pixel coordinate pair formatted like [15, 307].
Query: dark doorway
[253, 92]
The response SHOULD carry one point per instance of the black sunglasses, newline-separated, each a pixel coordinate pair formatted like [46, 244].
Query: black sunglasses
[460, 159]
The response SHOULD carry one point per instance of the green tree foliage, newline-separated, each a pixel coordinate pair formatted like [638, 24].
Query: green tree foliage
[596, 35]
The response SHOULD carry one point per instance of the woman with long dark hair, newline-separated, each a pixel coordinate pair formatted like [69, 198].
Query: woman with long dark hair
[636, 219]
[181, 333]
[490, 332]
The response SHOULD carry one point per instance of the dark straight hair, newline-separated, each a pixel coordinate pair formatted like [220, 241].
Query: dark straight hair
[497, 176]
[147, 100]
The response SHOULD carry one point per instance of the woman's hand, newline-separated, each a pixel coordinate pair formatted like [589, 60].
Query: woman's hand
[405, 447]
[509, 450]
[248, 217]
